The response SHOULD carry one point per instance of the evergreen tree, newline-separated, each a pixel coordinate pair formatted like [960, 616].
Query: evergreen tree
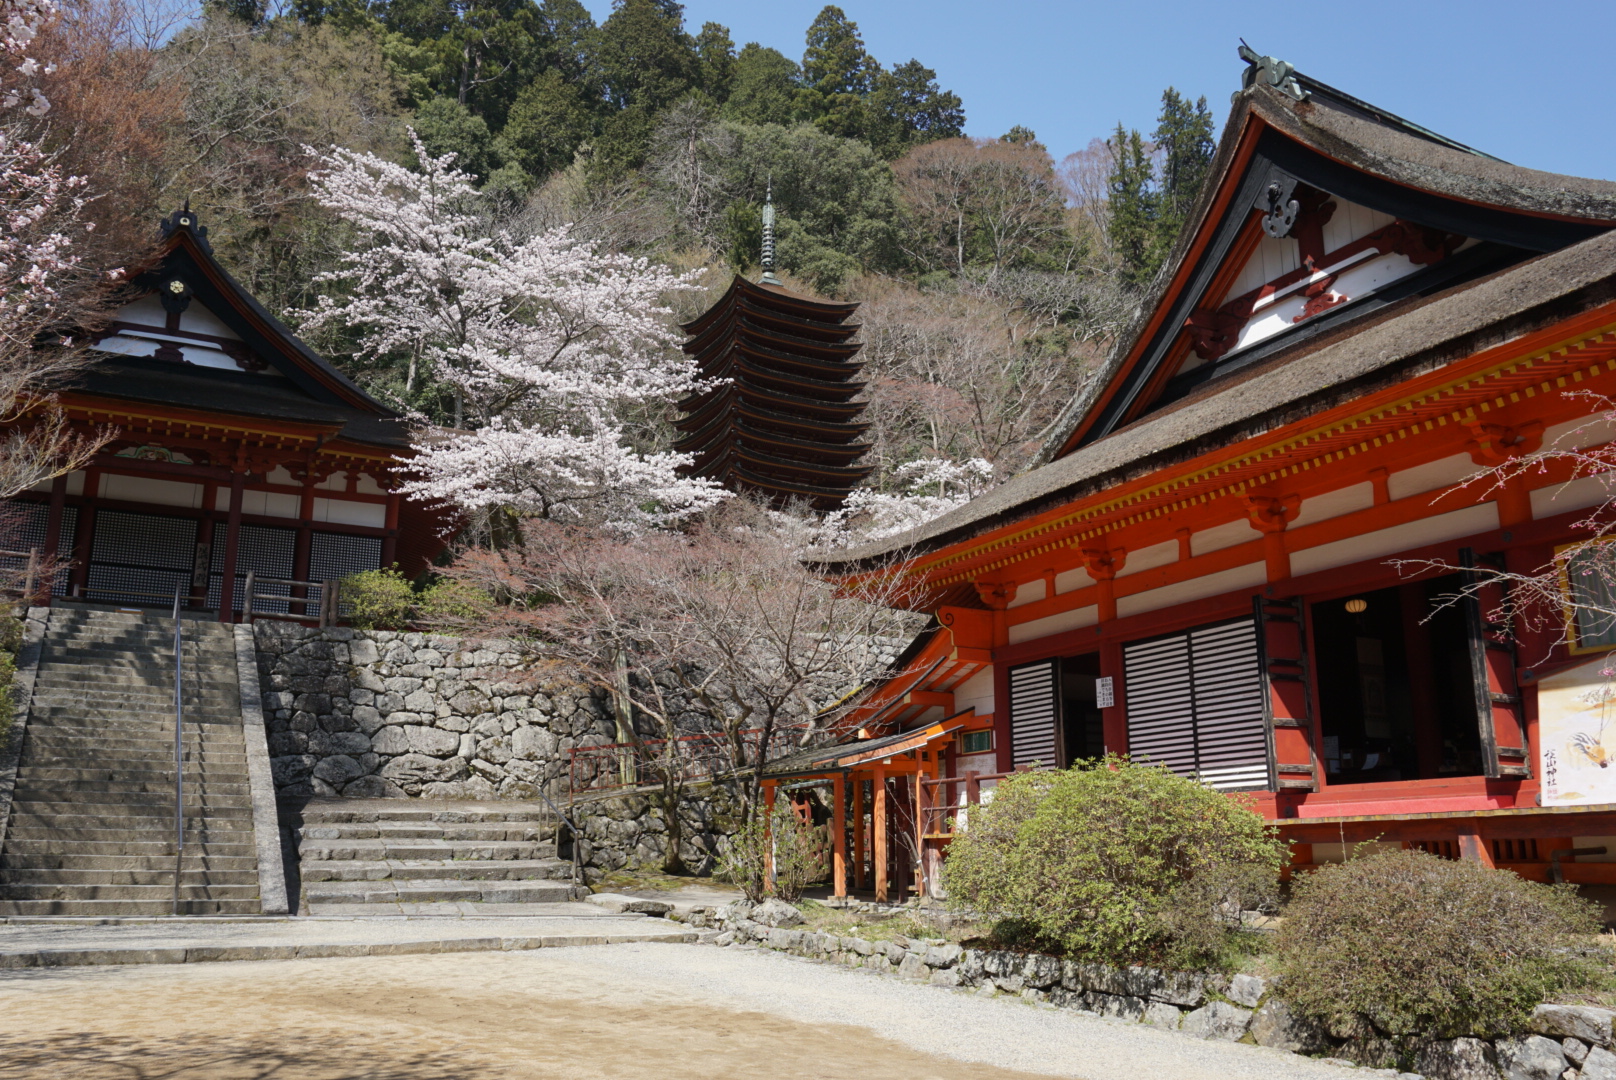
[764, 87]
[1133, 208]
[715, 53]
[1021, 136]
[910, 109]
[1183, 139]
[835, 61]
[549, 120]
[646, 57]
[445, 126]
[568, 44]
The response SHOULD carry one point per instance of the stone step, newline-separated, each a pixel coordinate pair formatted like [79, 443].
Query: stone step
[153, 698]
[73, 724]
[124, 909]
[75, 816]
[201, 670]
[206, 805]
[30, 787]
[544, 869]
[238, 848]
[134, 773]
[190, 877]
[50, 755]
[50, 891]
[326, 813]
[31, 864]
[150, 830]
[429, 891]
[447, 850]
[433, 830]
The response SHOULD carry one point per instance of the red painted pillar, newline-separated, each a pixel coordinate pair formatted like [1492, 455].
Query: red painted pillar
[232, 536]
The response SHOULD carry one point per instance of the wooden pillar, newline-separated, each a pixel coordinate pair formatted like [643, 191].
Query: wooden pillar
[860, 880]
[768, 835]
[303, 545]
[878, 826]
[84, 539]
[1472, 848]
[390, 541]
[232, 534]
[920, 825]
[53, 537]
[1114, 720]
[838, 834]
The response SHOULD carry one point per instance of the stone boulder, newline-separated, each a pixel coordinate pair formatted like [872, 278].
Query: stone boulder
[1457, 1059]
[1574, 1022]
[776, 913]
[1275, 1024]
[1600, 1064]
[1218, 1020]
[1531, 1058]
[1246, 990]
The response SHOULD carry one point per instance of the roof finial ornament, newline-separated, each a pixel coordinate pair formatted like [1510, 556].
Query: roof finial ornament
[768, 277]
[1266, 69]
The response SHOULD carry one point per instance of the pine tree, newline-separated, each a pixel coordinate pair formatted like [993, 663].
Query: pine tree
[1183, 139]
[1133, 208]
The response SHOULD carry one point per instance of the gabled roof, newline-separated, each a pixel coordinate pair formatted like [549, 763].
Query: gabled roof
[311, 389]
[1335, 143]
[1546, 255]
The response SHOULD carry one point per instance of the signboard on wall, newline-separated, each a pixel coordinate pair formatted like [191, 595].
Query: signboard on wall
[1576, 711]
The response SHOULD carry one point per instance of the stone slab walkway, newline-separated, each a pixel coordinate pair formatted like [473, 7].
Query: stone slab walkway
[190, 941]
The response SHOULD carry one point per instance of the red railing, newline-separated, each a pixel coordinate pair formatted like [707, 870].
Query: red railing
[694, 757]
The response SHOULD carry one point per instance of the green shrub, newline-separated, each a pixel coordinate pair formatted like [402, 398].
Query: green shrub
[1417, 945]
[452, 602]
[378, 599]
[795, 847]
[1115, 862]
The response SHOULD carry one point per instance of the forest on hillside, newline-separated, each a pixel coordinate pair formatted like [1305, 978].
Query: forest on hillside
[992, 277]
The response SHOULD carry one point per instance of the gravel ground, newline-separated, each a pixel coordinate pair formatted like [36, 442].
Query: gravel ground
[616, 1012]
[953, 1024]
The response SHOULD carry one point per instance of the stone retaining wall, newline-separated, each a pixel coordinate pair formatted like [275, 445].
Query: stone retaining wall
[385, 714]
[1569, 1042]
[630, 831]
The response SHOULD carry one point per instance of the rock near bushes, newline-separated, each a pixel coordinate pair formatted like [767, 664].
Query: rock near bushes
[1565, 1042]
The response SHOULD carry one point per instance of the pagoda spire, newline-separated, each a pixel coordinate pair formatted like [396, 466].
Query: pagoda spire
[768, 277]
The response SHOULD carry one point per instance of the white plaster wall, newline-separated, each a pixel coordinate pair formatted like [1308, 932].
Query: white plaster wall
[1029, 593]
[1148, 558]
[1075, 619]
[1594, 429]
[263, 503]
[1249, 576]
[1399, 538]
[976, 692]
[147, 490]
[1333, 504]
[1578, 494]
[1072, 579]
[1219, 537]
[1440, 474]
[340, 512]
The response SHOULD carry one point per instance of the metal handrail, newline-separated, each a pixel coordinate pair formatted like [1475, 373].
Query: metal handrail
[179, 748]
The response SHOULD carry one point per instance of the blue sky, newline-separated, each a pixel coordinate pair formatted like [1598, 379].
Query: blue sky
[1527, 82]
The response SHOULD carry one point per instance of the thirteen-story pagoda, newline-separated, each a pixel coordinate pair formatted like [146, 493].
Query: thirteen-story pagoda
[781, 420]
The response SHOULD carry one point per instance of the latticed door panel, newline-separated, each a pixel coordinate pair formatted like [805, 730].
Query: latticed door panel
[140, 558]
[25, 525]
[336, 555]
[1195, 705]
[1035, 714]
[263, 550]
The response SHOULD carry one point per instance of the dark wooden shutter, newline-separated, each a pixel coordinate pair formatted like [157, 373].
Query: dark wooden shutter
[1035, 714]
[1161, 705]
[1195, 704]
[1500, 716]
[1231, 735]
[1282, 652]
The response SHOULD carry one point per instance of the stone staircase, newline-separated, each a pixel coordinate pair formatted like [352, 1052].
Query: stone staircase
[389, 856]
[91, 831]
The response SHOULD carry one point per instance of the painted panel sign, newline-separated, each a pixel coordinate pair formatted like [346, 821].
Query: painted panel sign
[1577, 735]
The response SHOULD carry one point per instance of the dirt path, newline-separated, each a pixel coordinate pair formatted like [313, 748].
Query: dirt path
[620, 1012]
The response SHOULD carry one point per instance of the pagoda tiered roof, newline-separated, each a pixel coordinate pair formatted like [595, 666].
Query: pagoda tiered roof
[781, 419]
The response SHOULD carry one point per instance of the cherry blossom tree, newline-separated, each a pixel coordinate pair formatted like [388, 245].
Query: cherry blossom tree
[559, 355]
[44, 285]
[931, 487]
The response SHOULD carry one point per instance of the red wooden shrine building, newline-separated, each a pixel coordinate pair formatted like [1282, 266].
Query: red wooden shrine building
[1361, 314]
[235, 449]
